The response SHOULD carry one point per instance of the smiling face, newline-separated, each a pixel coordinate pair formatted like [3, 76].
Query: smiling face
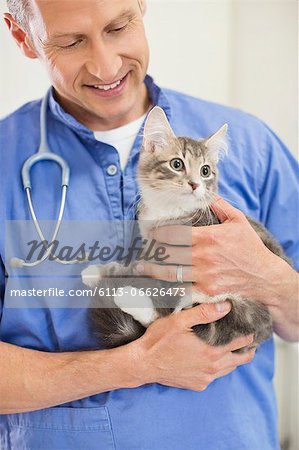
[96, 55]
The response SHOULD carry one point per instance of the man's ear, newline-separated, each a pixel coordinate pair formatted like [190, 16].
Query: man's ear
[20, 37]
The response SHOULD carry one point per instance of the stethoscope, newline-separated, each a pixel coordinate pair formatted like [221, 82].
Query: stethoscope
[44, 154]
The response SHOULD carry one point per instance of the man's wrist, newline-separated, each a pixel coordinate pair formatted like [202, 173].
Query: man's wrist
[127, 366]
[281, 296]
[282, 283]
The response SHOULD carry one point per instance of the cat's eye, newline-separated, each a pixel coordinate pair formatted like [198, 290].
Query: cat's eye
[205, 171]
[176, 164]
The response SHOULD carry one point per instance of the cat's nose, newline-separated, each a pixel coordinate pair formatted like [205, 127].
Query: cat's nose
[193, 185]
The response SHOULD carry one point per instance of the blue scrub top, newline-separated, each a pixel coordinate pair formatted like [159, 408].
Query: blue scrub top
[259, 176]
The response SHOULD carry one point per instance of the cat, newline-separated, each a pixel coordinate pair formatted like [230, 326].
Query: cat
[178, 183]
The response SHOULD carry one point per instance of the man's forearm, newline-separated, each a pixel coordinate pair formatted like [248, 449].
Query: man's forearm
[31, 380]
[282, 298]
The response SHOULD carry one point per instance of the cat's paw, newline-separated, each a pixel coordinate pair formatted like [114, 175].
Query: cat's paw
[91, 275]
[140, 307]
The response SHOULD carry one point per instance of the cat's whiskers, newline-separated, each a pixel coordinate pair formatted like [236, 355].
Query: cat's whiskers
[207, 202]
[134, 204]
[196, 212]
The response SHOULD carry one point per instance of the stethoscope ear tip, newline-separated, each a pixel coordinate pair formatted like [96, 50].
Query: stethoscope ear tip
[16, 262]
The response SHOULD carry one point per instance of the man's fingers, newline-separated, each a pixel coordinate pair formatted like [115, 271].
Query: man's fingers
[204, 313]
[237, 359]
[164, 272]
[225, 211]
[173, 234]
[175, 254]
[226, 371]
[243, 358]
[240, 342]
[187, 236]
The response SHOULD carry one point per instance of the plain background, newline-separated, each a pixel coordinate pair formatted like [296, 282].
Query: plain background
[242, 53]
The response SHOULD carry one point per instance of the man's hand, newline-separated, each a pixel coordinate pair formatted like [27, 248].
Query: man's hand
[230, 258]
[170, 353]
[221, 258]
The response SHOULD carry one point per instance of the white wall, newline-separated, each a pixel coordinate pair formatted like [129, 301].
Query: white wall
[238, 52]
[265, 63]
[190, 46]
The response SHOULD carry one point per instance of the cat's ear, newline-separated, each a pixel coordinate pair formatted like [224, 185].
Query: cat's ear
[217, 144]
[158, 133]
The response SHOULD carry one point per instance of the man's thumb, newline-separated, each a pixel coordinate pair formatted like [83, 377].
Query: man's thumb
[204, 313]
[225, 211]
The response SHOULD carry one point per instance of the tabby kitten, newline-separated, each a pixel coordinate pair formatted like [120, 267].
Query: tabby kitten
[178, 181]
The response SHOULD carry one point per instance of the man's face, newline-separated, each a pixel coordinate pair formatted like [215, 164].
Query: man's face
[96, 55]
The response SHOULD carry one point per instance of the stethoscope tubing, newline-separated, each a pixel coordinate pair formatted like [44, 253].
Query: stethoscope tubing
[44, 154]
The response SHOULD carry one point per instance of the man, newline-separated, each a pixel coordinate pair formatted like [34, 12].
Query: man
[96, 56]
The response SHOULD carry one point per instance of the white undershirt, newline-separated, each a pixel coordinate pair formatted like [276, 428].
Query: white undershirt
[121, 138]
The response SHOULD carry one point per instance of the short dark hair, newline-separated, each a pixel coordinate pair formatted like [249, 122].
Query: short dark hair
[20, 10]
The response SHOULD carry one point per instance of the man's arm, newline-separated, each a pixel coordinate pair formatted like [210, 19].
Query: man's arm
[31, 380]
[283, 301]
[168, 353]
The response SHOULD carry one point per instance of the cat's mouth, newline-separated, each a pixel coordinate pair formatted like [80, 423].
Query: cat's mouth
[195, 199]
[194, 193]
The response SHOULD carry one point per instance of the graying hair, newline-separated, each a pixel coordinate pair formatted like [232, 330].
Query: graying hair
[20, 10]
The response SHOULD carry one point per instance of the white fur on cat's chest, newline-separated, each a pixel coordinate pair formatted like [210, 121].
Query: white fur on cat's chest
[147, 222]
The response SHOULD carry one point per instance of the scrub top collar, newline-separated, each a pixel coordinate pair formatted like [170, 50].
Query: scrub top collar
[157, 97]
